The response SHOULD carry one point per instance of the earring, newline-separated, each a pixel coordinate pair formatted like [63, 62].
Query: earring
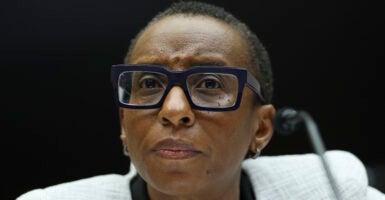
[255, 154]
[125, 152]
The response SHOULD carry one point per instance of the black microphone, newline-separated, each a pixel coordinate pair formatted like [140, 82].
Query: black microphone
[288, 120]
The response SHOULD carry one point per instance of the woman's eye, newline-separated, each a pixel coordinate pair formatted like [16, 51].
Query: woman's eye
[149, 83]
[209, 84]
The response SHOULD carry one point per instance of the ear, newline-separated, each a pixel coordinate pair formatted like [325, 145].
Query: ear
[263, 127]
[122, 130]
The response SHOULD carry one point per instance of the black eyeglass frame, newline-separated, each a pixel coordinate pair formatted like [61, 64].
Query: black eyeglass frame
[180, 77]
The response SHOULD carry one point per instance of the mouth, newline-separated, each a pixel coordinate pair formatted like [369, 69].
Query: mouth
[175, 149]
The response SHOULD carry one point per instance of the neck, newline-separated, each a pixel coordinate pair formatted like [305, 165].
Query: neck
[215, 191]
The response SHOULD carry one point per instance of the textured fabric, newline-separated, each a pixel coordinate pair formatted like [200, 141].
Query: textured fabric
[302, 177]
[286, 177]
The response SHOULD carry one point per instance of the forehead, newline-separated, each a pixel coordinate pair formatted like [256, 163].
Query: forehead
[188, 40]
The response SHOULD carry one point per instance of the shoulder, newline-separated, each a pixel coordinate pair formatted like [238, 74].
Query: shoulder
[301, 176]
[102, 187]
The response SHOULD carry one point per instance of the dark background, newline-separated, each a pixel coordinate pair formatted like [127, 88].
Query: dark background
[58, 119]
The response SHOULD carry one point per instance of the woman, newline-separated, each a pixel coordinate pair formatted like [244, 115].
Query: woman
[195, 111]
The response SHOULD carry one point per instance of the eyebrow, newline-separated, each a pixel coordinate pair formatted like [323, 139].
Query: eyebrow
[191, 62]
[208, 63]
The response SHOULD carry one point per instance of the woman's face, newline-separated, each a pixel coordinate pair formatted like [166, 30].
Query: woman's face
[177, 150]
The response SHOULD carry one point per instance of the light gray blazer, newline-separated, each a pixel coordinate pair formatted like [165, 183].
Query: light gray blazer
[284, 177]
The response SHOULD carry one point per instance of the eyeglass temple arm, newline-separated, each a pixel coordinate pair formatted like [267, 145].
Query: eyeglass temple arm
[254, 84]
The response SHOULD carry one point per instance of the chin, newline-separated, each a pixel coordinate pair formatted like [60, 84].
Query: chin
[177, 180]
[178, 186]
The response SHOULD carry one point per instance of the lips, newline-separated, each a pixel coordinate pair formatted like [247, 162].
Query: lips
[175, 149]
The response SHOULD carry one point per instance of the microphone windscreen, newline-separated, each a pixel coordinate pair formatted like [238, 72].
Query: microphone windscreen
[286, 121]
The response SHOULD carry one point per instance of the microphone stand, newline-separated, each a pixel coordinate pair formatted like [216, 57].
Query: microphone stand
[287, 121]
[319, 148]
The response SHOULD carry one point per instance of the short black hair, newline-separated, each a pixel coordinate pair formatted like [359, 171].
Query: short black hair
[260, 60]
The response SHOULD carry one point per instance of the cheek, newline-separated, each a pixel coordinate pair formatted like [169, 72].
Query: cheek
[230, 135]
[236, 138]
[136, 126]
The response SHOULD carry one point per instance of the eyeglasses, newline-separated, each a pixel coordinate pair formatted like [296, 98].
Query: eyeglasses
[211, 88]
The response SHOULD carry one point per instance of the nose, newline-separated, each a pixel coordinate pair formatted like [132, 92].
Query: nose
[176, 109]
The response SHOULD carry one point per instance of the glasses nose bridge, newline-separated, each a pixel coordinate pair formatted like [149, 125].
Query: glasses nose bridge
[178, 78]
